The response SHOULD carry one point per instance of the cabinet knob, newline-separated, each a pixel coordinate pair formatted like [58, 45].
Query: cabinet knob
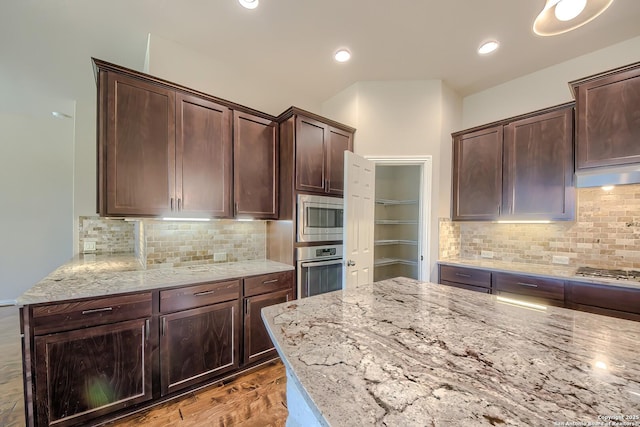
[351, 263]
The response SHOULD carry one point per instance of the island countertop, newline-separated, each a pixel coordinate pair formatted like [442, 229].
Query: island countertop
[99, 275]
[403, 352]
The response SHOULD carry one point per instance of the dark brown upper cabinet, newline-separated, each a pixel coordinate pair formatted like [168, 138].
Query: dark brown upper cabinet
[136, 146]
[319, 145]
[608, 118]
[477, 174]
[516, 169]
[161, 151]
[538, 167]
[255, 166]
[167, 150]
[203, 157]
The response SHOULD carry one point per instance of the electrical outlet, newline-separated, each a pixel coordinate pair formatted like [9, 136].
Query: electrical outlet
[486, 254]
[220, 256]
[558, 259]
[89, 246]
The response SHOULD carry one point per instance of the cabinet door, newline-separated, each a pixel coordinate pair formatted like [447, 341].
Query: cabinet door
[310, 154]
[197, 345]
[339, 142]
[85, 373]
[140, 147]
[257, 343]
[538, 167]
[255, 166]
[608, 122]
[203, 157]
[609, 300]
[477, 175]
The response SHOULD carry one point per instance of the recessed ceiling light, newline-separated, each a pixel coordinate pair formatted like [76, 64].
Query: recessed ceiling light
[488, 47]
[249, 4]
[342, 55]
[566, 10]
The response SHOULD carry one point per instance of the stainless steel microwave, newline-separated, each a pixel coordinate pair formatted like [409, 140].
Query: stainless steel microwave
[320, 218]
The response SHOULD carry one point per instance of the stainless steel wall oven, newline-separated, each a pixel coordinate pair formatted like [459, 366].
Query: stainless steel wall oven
[319, 269]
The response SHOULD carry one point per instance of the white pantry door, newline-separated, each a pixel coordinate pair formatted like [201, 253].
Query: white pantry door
[359, 199]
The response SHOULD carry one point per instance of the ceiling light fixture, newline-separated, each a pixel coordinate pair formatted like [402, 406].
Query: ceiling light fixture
[249, 4]
[561, 16]
[342, 55]
[488, 47]
[59, 115]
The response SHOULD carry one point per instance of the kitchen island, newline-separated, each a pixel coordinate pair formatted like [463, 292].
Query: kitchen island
[403, 352]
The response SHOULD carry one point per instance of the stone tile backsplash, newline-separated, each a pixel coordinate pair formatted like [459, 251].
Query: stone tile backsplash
[606, 233]
[176, 244]
[110, 236]
[449, 236]
[159, 244]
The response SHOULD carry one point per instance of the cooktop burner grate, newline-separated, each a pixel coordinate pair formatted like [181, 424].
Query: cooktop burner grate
[608, 273]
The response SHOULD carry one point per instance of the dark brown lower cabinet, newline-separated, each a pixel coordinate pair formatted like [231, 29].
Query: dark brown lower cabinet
[84, 373]
[609, 300]
[257, 343]
[90, 360]
[198, 344]
[470, 279]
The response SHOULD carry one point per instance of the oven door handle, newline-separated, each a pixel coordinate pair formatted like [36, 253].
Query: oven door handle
[321, 263]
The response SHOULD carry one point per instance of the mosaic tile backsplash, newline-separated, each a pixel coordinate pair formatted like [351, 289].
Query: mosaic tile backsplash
[159, 244]
[606, 233]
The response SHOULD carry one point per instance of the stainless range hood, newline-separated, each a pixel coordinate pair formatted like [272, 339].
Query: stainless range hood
[614, 175]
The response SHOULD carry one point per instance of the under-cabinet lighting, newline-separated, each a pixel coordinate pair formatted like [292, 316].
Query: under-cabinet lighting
[244, 219]
[507, 221]
[185, 219]
[608, 187]
[521, 303]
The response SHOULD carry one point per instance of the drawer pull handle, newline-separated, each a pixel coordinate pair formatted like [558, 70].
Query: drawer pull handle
[147, 329]
[199, 294]
[266, 282]
[97, 310]
[463, 275]
[530, 285]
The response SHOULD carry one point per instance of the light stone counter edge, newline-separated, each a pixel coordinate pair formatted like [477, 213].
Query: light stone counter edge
[103, 275]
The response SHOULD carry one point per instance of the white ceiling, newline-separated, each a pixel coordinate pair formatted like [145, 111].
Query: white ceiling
[45, 45]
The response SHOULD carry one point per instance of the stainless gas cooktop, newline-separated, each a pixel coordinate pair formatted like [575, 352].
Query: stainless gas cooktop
[608, 273]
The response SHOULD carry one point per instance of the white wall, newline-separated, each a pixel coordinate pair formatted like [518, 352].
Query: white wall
[178, 63]
[544, 88]
[36, 184]
[404, 118]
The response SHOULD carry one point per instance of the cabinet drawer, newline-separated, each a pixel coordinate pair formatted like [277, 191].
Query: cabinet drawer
[198, 295]
[268, 283]
[604, 296]
[90, 312]
[466, 276]
[467, 287]
[543, 288]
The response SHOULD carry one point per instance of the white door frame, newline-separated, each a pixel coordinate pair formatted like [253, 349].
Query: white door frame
[424, 270]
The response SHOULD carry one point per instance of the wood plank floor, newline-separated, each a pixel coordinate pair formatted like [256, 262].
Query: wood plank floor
[254, 399]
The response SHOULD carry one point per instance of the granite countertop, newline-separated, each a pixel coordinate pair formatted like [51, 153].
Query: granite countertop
[100, 275]
[403, 352]
[553, 271]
